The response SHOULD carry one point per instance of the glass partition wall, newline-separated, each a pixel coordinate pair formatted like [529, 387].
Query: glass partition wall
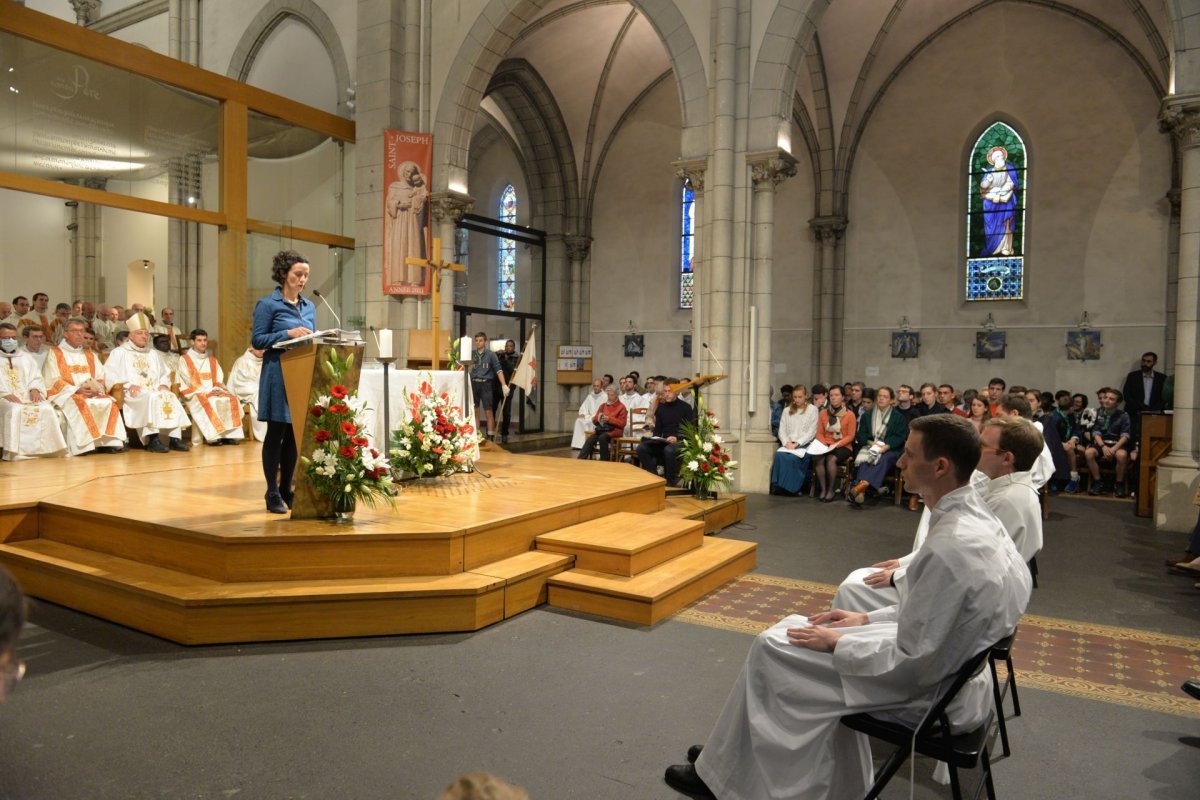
[211, 175]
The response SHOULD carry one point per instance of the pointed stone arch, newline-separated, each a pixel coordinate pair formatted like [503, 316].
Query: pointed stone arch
[308, 12]
[785, 46]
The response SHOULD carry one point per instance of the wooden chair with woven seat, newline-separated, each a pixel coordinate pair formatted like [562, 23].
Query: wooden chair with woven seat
[1002, 651]
[624, 448]
[934, 737]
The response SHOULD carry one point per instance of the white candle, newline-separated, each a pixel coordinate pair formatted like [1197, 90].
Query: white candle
[385, 343]
[465, 345]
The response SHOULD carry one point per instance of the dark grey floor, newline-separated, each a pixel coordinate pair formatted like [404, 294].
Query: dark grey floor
[567, 706]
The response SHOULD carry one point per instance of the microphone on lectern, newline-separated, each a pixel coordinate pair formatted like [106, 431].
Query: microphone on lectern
[317, 292]
[374, 334]
[714, 355]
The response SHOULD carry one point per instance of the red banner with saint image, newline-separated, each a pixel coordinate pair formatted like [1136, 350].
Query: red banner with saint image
[407, 162]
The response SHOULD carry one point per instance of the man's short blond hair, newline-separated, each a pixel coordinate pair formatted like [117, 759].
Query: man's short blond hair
[482, 786]
[1019, 437]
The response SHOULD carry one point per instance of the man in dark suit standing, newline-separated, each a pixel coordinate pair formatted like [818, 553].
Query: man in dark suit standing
[1143, 391]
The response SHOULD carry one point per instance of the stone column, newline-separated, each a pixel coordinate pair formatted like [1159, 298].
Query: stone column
[826, 230]
[767, 171]
[448, 209]
[87, 281]
[554, 399]
[86, 11]
[1179, 472]
[578, 249]
[1168, 356]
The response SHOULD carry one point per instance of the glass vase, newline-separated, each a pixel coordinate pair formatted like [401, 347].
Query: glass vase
[344, 504]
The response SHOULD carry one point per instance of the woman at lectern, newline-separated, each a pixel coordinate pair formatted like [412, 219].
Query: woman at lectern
[280, 316]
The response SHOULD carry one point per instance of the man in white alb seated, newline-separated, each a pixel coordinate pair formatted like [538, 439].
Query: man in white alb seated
[28, 423]
[35, 345]
[216, 411]
[780, 732]
[587, 409]
[162, 348]
[634, 401]
[149, 406]
[243, 382]
[74, 379]
[1011, 447]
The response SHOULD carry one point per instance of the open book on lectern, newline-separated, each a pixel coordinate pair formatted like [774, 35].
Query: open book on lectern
[330, 336]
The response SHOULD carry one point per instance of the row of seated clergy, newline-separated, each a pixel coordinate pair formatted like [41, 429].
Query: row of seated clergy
[633, 401]
[99, 400]
[1009, 448]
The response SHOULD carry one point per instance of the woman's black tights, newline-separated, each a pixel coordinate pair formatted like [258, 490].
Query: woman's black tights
[279, 457]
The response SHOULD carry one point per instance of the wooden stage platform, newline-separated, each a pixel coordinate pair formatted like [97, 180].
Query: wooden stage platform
[179, 545]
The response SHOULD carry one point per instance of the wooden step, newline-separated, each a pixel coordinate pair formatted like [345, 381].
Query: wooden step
[624, 543]
[190, 609]
[657, 593]
[525, 577]
[728, 509]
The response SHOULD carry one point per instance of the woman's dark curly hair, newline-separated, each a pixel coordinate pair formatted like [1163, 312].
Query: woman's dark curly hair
[282, 265]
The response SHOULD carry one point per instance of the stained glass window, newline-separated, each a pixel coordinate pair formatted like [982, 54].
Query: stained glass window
[996, 187]
[506, 255]
[687, 230]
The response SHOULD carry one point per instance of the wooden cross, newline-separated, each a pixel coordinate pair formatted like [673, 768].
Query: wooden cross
[435, 265]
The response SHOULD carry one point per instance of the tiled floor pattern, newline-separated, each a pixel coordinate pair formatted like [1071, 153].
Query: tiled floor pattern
[1125, 666]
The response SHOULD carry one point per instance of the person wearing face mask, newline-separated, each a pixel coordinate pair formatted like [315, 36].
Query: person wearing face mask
[149, 405]
[28, 424]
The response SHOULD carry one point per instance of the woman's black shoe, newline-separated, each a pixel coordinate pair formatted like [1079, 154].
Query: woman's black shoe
[275, 503]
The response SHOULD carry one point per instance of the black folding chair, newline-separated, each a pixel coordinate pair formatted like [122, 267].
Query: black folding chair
[1002, 651]
[934, 737]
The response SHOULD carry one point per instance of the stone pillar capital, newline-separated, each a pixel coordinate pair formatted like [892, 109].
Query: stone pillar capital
[692, 171]
[578, 247]
[450, 206]
[828, 228]
[86, 11]
[1180, 117]
[771, 168]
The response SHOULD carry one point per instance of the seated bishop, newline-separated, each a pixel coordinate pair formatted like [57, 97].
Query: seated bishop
[149, 406]
[243, 381]
[28, 423]
[216, 411]
[74, 379]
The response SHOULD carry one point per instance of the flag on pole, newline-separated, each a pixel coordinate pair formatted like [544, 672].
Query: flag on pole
[526, 374]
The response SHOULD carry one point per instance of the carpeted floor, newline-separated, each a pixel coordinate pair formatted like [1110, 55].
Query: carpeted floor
[574, 707]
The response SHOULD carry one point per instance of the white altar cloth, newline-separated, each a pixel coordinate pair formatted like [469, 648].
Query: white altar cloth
[400, 383]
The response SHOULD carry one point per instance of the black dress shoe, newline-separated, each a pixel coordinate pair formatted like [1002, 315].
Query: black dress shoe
[155, 445]
[178, 446]
[694, 753]
[683, 779]
[1192, 688]
[275, 503]
[288, 497]
[229, 442]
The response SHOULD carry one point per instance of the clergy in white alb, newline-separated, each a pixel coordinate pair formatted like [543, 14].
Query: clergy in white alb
[28, 422]
[149, 406]
[216, 411]
[779, 734]
[166, 326]
[243, 382]
[35, 345]
[583, 423]
[636, 404]
[74, 379]
[1011, 446]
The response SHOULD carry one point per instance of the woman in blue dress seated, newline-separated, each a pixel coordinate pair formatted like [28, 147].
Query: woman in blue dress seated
[280, 316]
[797, 429]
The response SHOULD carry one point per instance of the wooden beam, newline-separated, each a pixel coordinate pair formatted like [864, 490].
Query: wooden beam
[26, 183]
[234, 311]
[303, 234]
[62, 35]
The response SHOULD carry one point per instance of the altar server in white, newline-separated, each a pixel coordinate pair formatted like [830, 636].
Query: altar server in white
[583, 423]
[74, 379]
[149, 406]
[216, 411]
[1011, 448]
[28, 423]
[779, 735]
[243, 382]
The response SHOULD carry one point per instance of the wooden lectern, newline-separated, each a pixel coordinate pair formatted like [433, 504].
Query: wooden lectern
[304, 380]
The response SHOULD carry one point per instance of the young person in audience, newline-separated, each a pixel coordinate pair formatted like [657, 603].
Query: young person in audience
[1066, 422]
[608, 422]
[929, 403]
[945, 397]
[880, 440]
[855, 399]
[836, 428]
[980, 412]
[820, 397]
[995, 390]
[777, 407]
[904, 402]
[868, 402]
[1035, 403]
[797, 429]
[1108, 443]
